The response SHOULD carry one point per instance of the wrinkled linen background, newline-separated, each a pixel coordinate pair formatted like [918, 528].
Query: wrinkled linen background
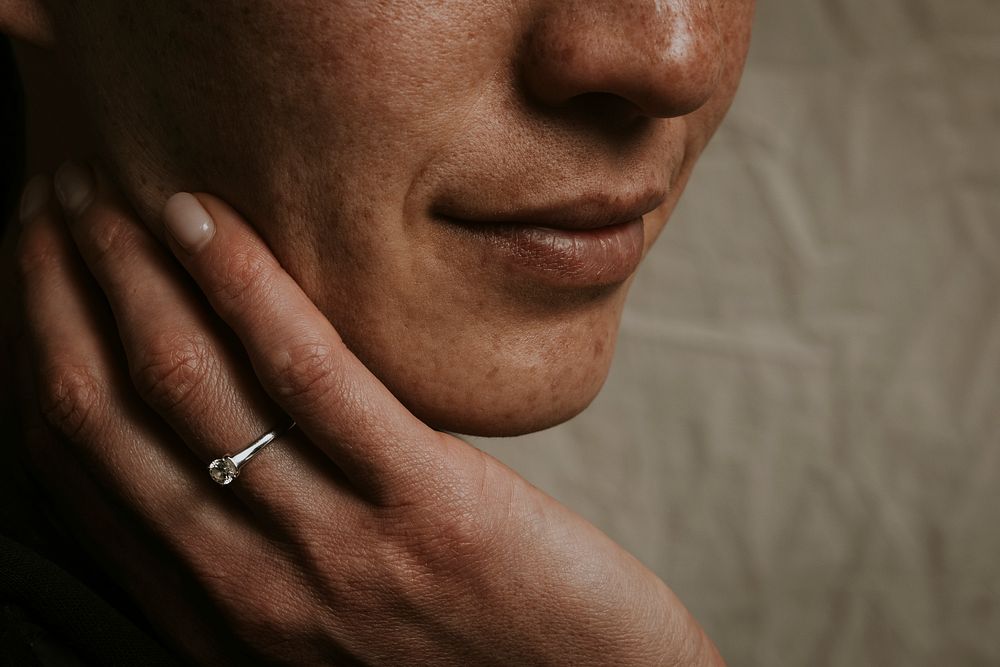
[801, 430]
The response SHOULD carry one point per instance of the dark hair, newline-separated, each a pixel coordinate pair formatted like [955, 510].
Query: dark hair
[11, 131]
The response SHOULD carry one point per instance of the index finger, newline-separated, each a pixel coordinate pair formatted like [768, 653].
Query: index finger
[296, 353]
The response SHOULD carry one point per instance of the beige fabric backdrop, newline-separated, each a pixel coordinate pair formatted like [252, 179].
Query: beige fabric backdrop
[801, 431]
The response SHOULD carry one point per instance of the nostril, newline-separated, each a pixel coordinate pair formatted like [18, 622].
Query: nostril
[604, 104]
[606, 110]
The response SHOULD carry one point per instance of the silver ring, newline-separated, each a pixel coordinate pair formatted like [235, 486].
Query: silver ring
[225, 470]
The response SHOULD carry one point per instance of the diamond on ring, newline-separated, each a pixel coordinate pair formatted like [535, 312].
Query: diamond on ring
[226, 469]
[223, 471]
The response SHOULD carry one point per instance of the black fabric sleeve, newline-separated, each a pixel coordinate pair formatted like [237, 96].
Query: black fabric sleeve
[56, 619]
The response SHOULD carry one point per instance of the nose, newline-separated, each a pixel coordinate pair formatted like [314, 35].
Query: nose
[663, 57]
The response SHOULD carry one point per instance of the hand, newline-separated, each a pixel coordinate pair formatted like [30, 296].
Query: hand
[363, 535]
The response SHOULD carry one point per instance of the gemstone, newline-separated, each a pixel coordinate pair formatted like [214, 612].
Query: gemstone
[223, 471]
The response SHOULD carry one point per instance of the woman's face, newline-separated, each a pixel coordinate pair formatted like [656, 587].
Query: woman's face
[464, 187]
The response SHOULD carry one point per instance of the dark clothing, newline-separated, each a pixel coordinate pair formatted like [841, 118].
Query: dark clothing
[56, 608]
[50, 617]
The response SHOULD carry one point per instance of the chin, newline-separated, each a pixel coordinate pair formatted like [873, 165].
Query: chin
[491, 416]
[533, 385]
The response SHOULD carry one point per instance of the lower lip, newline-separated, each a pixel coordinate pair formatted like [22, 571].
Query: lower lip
[566, 257]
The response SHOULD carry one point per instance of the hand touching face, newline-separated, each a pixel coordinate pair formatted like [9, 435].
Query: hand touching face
[362, 536]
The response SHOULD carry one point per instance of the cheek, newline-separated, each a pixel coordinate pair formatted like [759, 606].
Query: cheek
[226, 98]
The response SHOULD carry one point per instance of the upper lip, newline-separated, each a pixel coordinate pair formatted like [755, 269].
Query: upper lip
[588, 211]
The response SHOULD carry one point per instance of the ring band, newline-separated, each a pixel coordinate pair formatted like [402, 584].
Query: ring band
[226, 469]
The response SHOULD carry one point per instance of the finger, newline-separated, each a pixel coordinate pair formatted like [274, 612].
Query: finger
[141, 567]
[178, 356]
[298, 356]
[208, 538]
[82, 392]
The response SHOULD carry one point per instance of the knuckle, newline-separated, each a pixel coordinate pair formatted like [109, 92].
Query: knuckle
[444, 542]
[305, 372]
[108, 238]
[70, 398]
[432, 553]
[170, 370]
[242, 278]
[459, 538]
[35, 254]
[453, 532]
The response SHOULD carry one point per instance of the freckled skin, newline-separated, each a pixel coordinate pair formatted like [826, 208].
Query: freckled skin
[335, 128]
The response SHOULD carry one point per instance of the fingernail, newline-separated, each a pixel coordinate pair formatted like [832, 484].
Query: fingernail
[74, 187]
[188, 222]
[35, 197]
